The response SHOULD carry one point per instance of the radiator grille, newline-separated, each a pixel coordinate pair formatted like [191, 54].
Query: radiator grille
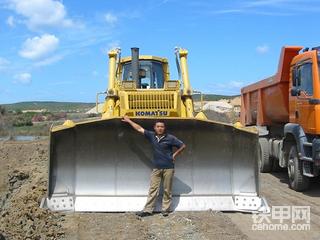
[151, 100]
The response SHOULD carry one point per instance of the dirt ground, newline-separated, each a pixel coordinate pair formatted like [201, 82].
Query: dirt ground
[23, 181]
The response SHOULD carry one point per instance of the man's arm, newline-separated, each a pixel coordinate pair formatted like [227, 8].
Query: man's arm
[178, 152]
[133, 124]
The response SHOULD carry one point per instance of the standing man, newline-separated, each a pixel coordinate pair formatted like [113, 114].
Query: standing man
[163, 164]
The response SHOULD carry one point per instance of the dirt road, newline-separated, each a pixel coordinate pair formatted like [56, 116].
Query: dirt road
[274, 187]
[23, 179]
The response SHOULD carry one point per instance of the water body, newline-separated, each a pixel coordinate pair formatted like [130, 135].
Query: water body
[22, 138]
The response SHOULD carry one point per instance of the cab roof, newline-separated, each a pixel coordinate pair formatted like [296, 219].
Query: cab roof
[145, 57]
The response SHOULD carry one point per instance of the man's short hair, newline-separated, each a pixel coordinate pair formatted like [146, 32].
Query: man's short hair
[159, 121]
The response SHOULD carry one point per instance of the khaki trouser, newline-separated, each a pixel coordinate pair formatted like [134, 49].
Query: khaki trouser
[156, 176]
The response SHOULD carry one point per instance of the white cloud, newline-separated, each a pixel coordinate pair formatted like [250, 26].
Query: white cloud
[11, 21]
[4, 63]
[38, 47]
[39, 13]
[49, 60]
[231, 85]
[111, 18]
[262, 49]
[228, 87]
[113, 44]
[236, 84]
[23, 78]
[269, 3]
[226, 11]
[267, 7]
[61, 83]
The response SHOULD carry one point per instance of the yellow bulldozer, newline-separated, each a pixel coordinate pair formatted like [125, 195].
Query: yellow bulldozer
[102, 165]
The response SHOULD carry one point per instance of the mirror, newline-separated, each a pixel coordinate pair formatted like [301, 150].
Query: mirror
[295, 92]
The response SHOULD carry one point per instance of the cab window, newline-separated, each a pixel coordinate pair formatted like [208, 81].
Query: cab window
[304, 79]
[150, 74]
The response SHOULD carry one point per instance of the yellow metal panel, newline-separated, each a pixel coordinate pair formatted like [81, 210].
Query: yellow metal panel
[145, 57]
[201, 115]
[151, 100]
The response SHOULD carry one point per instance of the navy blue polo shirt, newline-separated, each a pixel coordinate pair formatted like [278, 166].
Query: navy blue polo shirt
[162, 149]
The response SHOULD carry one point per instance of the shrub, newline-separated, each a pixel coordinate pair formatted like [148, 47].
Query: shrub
[22, 120]
[18, 111]
[2, 110]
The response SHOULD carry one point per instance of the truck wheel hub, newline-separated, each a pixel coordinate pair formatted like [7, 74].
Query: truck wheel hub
[291, 167]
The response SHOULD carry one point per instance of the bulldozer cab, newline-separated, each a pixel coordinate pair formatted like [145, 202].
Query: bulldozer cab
[104, 165]
[140, 86]
[151, 73]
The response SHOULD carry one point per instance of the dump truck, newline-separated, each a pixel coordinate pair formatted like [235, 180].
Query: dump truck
[102, 165]
[286, 110]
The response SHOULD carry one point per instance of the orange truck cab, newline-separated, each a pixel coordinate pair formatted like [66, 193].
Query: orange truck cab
[286, 110]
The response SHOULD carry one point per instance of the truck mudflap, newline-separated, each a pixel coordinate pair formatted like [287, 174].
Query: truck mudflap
[105, 166]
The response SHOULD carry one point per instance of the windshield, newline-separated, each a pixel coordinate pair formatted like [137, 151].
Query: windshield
[150, 72]
[319, 62]
[318, 52]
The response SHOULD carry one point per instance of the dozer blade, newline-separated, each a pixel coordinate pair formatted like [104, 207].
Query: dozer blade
[105, 166]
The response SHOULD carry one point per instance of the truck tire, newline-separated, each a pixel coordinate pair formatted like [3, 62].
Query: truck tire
[265, 162]
[297, 181]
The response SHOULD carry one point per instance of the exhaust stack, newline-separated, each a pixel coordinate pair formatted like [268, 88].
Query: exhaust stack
[135, 65]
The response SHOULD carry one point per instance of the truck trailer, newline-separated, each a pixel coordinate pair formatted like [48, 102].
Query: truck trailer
[286, 110]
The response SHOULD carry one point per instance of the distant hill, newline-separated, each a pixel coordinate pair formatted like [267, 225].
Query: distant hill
[213, 97]
[50, 106]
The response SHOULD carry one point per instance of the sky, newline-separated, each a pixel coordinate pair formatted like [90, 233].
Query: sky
[53, 50]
